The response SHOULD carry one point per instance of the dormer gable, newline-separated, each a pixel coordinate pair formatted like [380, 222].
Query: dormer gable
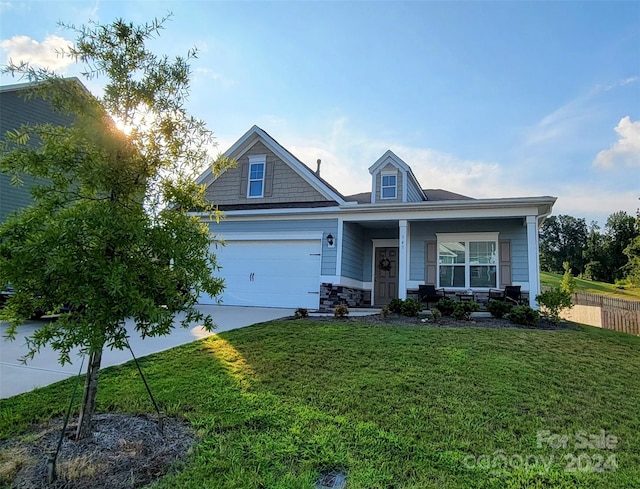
[393, 181]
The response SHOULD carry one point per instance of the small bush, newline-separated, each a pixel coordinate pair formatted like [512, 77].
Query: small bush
[341, 311]
[436, 315]
[396, 305]
[523, 315]
[446, 306]
[411, 308]
[463, 309]
[568, 283]
[385, 312]
[499, 309]
[553, 302]
[301, 313]
[622, 284]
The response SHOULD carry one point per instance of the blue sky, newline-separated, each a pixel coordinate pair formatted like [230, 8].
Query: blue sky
[488, 99]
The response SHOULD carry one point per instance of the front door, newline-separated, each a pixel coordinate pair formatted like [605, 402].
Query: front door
[386, 276]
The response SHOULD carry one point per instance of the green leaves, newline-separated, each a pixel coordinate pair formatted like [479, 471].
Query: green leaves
[110, 235]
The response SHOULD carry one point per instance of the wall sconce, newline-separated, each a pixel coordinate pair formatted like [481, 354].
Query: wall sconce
[330, 241]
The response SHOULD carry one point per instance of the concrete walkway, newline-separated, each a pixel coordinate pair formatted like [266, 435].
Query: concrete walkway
[44, 369]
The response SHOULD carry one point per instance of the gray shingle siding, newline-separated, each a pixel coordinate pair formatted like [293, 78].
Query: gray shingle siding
[288, 186]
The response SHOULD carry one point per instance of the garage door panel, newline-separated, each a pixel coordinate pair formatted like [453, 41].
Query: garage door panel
[270, 273]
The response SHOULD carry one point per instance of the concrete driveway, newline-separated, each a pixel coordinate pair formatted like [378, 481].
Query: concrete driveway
[44, 369]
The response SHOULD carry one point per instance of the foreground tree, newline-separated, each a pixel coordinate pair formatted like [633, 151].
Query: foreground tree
[110, 234]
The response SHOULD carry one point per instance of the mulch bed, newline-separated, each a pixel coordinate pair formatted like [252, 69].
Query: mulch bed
[444, 322]
[123, 452]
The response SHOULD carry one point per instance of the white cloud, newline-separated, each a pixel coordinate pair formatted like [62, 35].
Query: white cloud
[622, 83]
[346, 156]
[5, 6]
[592, 203]
[559, 123]
[626, 150]
[39, 54]
[206, 74]
[572, 118]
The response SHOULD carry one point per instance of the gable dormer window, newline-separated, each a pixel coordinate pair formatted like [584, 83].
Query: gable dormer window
[255, 187]
[389, 186]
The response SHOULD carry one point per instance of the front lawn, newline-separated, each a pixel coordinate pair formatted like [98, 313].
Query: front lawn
[392, 406]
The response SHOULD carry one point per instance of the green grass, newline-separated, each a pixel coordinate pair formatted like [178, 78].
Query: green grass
[394, 407]
[549, 279]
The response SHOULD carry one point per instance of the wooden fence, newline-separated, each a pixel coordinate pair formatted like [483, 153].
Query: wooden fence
[605, 312]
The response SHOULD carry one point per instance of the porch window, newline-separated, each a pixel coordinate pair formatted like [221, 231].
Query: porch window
[255, 188]
[468, 261]
[389, 186]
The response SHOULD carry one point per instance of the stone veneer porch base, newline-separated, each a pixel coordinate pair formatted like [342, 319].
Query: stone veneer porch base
[333, 295]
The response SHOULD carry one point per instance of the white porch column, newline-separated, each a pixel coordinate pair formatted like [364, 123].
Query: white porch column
[402, 261]
[534, 260]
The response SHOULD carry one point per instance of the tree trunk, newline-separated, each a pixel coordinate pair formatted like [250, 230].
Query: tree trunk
[89, 397]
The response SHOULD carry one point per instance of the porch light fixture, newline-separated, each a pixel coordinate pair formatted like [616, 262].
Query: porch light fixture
[330, 241]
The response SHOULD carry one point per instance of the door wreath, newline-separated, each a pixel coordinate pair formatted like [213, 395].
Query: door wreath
[384, 264]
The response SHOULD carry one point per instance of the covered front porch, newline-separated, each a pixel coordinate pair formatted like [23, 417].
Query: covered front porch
[379, 259]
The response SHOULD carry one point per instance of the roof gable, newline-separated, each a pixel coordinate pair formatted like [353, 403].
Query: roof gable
[389, 157]
[255, 135]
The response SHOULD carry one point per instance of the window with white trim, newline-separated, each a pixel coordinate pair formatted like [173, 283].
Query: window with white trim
[389, 186]
[468, 260]
[255, 187]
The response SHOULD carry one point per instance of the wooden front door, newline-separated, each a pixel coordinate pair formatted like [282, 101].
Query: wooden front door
[385, 285]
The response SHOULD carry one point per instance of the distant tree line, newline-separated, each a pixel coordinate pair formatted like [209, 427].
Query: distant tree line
[610, 255]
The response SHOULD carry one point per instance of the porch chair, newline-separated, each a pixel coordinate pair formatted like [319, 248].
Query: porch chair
[429, 293]
[513, 294]
[510, 293]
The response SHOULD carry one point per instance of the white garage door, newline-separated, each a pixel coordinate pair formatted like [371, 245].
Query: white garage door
[270, 273]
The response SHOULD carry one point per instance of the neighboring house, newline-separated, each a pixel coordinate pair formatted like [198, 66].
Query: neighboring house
[292, 240]
[15, 111]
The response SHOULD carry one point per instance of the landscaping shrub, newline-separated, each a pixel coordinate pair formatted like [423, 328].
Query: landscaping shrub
[445, 306]
[396, 305]
[553, 302]
[385, 312]
[411, 308]
[341, 311]
[301, 312]
[523, 315]
[499, 309]
[568, 283]
[463, 309]
[436, 314]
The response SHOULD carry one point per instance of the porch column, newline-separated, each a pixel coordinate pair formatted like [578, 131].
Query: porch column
[534, 260]
[402, 260]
